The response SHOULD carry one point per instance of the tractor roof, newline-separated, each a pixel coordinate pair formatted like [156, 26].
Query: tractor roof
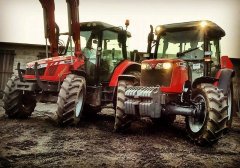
[97, 25]
[212, 28]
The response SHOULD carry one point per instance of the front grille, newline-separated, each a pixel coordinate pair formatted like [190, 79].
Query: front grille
[156, 77]
[30, 71]
[52, 70]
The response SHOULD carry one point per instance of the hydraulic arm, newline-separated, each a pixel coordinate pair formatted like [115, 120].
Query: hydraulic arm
[50, 27]
[74, 25]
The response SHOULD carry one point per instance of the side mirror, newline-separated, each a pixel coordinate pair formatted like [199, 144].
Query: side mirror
[150, 39]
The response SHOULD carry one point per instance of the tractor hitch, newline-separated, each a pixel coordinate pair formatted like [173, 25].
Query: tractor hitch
[20, 71]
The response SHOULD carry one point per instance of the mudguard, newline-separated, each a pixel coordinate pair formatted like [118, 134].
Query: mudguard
[204, 79]
[224, 77]
[127, 77]
[79, 73]
[123, 67]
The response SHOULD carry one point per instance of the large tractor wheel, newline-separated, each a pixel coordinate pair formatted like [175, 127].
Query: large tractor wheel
[121, 119]
[238, 102]
[71, 100]
[17, 104]
[210, 125]
[230, 106]
[137, 75]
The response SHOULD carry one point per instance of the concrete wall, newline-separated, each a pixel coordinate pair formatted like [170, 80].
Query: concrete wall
[24, 52]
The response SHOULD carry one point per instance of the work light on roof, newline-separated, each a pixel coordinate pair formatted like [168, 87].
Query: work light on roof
[158, 29]
[203, 24]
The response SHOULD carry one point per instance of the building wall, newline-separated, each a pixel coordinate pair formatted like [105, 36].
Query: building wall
[23, 53]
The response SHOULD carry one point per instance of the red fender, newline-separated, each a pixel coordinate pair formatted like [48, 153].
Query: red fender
[119, 70]
[225, 74]
[226, 62]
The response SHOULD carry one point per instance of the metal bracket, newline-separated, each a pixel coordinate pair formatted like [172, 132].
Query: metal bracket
[20, 72]
[44, 86]
[39, 82]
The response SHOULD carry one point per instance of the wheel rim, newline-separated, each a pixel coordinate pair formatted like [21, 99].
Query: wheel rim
[196, 124]
[79, 104]
[229, 101]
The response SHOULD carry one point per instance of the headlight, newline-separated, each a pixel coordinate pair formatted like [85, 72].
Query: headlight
[203, 24]
[145, 66]
[165, 65]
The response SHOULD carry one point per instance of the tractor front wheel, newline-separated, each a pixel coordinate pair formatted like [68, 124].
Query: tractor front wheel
[210, 125]
[71, 100]
[121, 119]
[17, 103]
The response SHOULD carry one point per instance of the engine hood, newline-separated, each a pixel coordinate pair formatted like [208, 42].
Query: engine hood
[44, 62]
[156, 61]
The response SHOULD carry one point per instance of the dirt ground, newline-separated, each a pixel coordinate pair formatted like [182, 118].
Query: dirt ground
[39, 142]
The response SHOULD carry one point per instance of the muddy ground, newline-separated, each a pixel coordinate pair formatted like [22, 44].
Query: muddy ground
[39, 142]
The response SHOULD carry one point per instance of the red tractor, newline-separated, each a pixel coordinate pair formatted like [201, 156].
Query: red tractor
[85, 80]
[184, 75]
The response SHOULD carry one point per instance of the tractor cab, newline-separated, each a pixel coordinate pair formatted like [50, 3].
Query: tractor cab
[197, 43]
[104, 46]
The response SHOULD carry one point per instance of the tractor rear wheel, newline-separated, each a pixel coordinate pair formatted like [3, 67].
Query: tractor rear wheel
[121, 119]
[17, 104]
[230, 106]
[71, 100]
[211, 124]
[238, 102]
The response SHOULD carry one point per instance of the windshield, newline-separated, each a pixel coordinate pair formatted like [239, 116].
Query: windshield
[112, 53]
[110, 44]
[106, 45]
[189, 43]
[189, 46]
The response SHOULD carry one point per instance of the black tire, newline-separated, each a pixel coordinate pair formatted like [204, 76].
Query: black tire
[230, 106]
[137, 74]
[207, 129]
[122, 121]
[71, 100]
[238, 102]
[17, 104]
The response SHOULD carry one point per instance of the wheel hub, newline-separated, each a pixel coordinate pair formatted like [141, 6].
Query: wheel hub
[79, 104]
[197, 122]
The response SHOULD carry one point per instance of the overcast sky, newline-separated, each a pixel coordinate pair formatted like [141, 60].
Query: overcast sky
[22, 22]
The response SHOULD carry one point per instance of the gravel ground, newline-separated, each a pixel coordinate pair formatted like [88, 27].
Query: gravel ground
[39, 142]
